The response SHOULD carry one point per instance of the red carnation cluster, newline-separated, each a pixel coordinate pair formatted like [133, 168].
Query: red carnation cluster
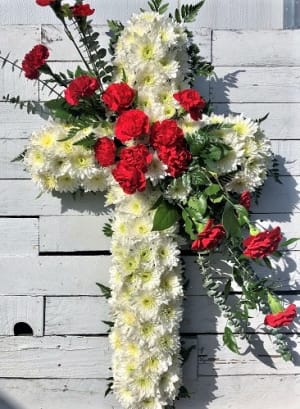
[191, 101]
[44, 3]
[82, 10]
[34, 60]
[262, 244]
[81, 87]
[167, 138]
[210, 237]
[105, 151]
[282, 318]
[130, 170]
[118, 97]
[132, 124]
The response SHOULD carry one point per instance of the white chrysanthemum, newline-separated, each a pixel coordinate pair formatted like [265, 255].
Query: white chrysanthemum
[157, 170]
[178, 191]
[55, 163]
[67, 183]
[97, 182]
[242, 126]
[145, 303]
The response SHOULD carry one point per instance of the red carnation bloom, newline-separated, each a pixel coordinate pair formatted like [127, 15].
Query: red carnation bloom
[132, 124]
[105, 151]
[245, 199]
[210, 237]
[82, 10]
[176, 157]
[34, 60]
[262, 244]
[129, 178]
[136, 156]
[44, 2]
[80, 87]
[165, 133]
[191, 101]
[282, 318]
[118, 97]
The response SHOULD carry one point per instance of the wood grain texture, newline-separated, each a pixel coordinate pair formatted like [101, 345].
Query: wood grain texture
[10, 149]
[54, 275]
[261, 359]
[16, 123]
[19, 236]
[256, 84]
[280, 48]
[67, 233]
[29, 310]
[241, 14]
[27, 37]
[54, 357]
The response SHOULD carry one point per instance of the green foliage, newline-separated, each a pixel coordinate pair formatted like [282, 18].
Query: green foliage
[88, 142]
[20, 157]
[165, 216]
[107, 229]
[106, 291]
[188, 13]
[158, 6]
[115, 30]
[230, 341]
[287, 243]
[230, 222]
[199, 66]
[274, 171]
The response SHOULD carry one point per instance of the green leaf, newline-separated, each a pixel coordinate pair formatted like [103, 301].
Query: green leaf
[106, 291]
[230, 222]
[157, 203]
[212, 189]
[230, 341]
[274, 304]
[88, 142]
[165, 216]
[290, 241]
[227, 289]
[20, 157]
[107, 229]
[267, 262]
[188, 225]
[198, 203]
[243, 215]
[237, 277]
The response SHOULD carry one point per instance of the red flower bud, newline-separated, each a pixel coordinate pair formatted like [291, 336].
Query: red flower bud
[282, 318]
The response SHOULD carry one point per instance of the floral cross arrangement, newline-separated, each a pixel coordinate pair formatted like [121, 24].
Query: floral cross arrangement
[176, 173]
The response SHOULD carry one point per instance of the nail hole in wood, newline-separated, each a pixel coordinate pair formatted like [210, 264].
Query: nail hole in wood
[21, 329]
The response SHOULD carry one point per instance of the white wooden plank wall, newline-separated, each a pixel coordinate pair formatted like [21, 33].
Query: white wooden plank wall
[52, 251]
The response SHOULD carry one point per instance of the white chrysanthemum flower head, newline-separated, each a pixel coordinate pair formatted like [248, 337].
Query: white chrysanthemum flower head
[97, 182]
[242, 126]
[67, 183]
[157, 170]
[36, 160]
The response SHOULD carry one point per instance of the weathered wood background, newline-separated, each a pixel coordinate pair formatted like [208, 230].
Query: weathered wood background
[52, 250]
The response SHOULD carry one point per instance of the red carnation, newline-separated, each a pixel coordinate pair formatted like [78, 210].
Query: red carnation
[165, 133]
[245, 199]
[82, 10]
[136, 156]
[262, 244]
[44, 2]
[132, 124]
[105, 151]
[191, 101]
[282, 318]
[176, 157]
[210, 237]
[34, 60]
[80, 87]
[129, 178]
[118, 97]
